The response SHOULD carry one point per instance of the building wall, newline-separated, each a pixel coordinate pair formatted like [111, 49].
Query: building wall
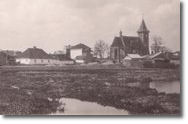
[144, 36]
[114, 52]
[117, 54]
[2, 59]
[75, 52]
[36, 61]
[23, 61]
[42, 61]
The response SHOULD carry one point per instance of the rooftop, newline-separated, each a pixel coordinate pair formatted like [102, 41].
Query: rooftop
[34, 53]
[80, 46]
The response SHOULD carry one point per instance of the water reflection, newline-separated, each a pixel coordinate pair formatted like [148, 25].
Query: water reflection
[78, 107]
[167, 87]
[160, 86]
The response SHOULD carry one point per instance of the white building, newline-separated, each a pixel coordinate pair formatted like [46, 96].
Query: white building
[35, 56]
[80, 53]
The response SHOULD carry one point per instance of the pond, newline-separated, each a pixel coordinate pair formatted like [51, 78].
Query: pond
[160, 86]
[167, 87]
[77, 107]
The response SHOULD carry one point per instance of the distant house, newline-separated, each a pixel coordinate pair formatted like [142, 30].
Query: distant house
[12, 52]
[6, 59]
[159, 57]
[35, 56]
[81, 53]
[132, 60]
[158, 60]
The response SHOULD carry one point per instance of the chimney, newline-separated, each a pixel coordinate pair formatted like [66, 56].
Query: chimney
[120, 33]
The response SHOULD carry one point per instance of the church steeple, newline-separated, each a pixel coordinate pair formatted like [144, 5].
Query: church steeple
[143, 27]
[143, 34]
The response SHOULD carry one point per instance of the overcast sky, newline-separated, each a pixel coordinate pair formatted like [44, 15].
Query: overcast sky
[51, 24]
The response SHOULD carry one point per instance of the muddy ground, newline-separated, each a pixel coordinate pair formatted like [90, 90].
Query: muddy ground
[36, 90]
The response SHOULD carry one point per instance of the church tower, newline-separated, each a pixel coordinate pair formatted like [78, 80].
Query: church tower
[143, 34]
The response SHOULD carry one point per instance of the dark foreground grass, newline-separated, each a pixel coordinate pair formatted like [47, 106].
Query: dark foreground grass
[26, 91]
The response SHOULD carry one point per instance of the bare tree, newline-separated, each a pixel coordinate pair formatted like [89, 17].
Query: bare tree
[158, 46]
[157, 42]
[101, 49]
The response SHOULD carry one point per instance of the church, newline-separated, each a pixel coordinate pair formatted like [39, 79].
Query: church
[123, 45]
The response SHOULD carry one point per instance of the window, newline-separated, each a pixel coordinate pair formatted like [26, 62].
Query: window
[35, 61]
[116, 52]
[41, 60]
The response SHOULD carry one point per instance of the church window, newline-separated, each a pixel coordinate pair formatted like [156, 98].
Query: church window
[116, 51]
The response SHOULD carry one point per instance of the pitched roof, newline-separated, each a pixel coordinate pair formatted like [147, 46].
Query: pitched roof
[154, 55]
[116, 42]
[35, 53]
[80, 46]
[143, 27]
[132, 56]
[128, 41]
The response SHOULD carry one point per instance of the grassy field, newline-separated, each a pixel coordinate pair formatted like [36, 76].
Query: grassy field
[37, 89]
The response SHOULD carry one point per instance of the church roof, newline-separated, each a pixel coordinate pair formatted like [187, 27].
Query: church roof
[127, 40]
[130, 42]
[34, 53]
[117, 42]
[143, 27]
